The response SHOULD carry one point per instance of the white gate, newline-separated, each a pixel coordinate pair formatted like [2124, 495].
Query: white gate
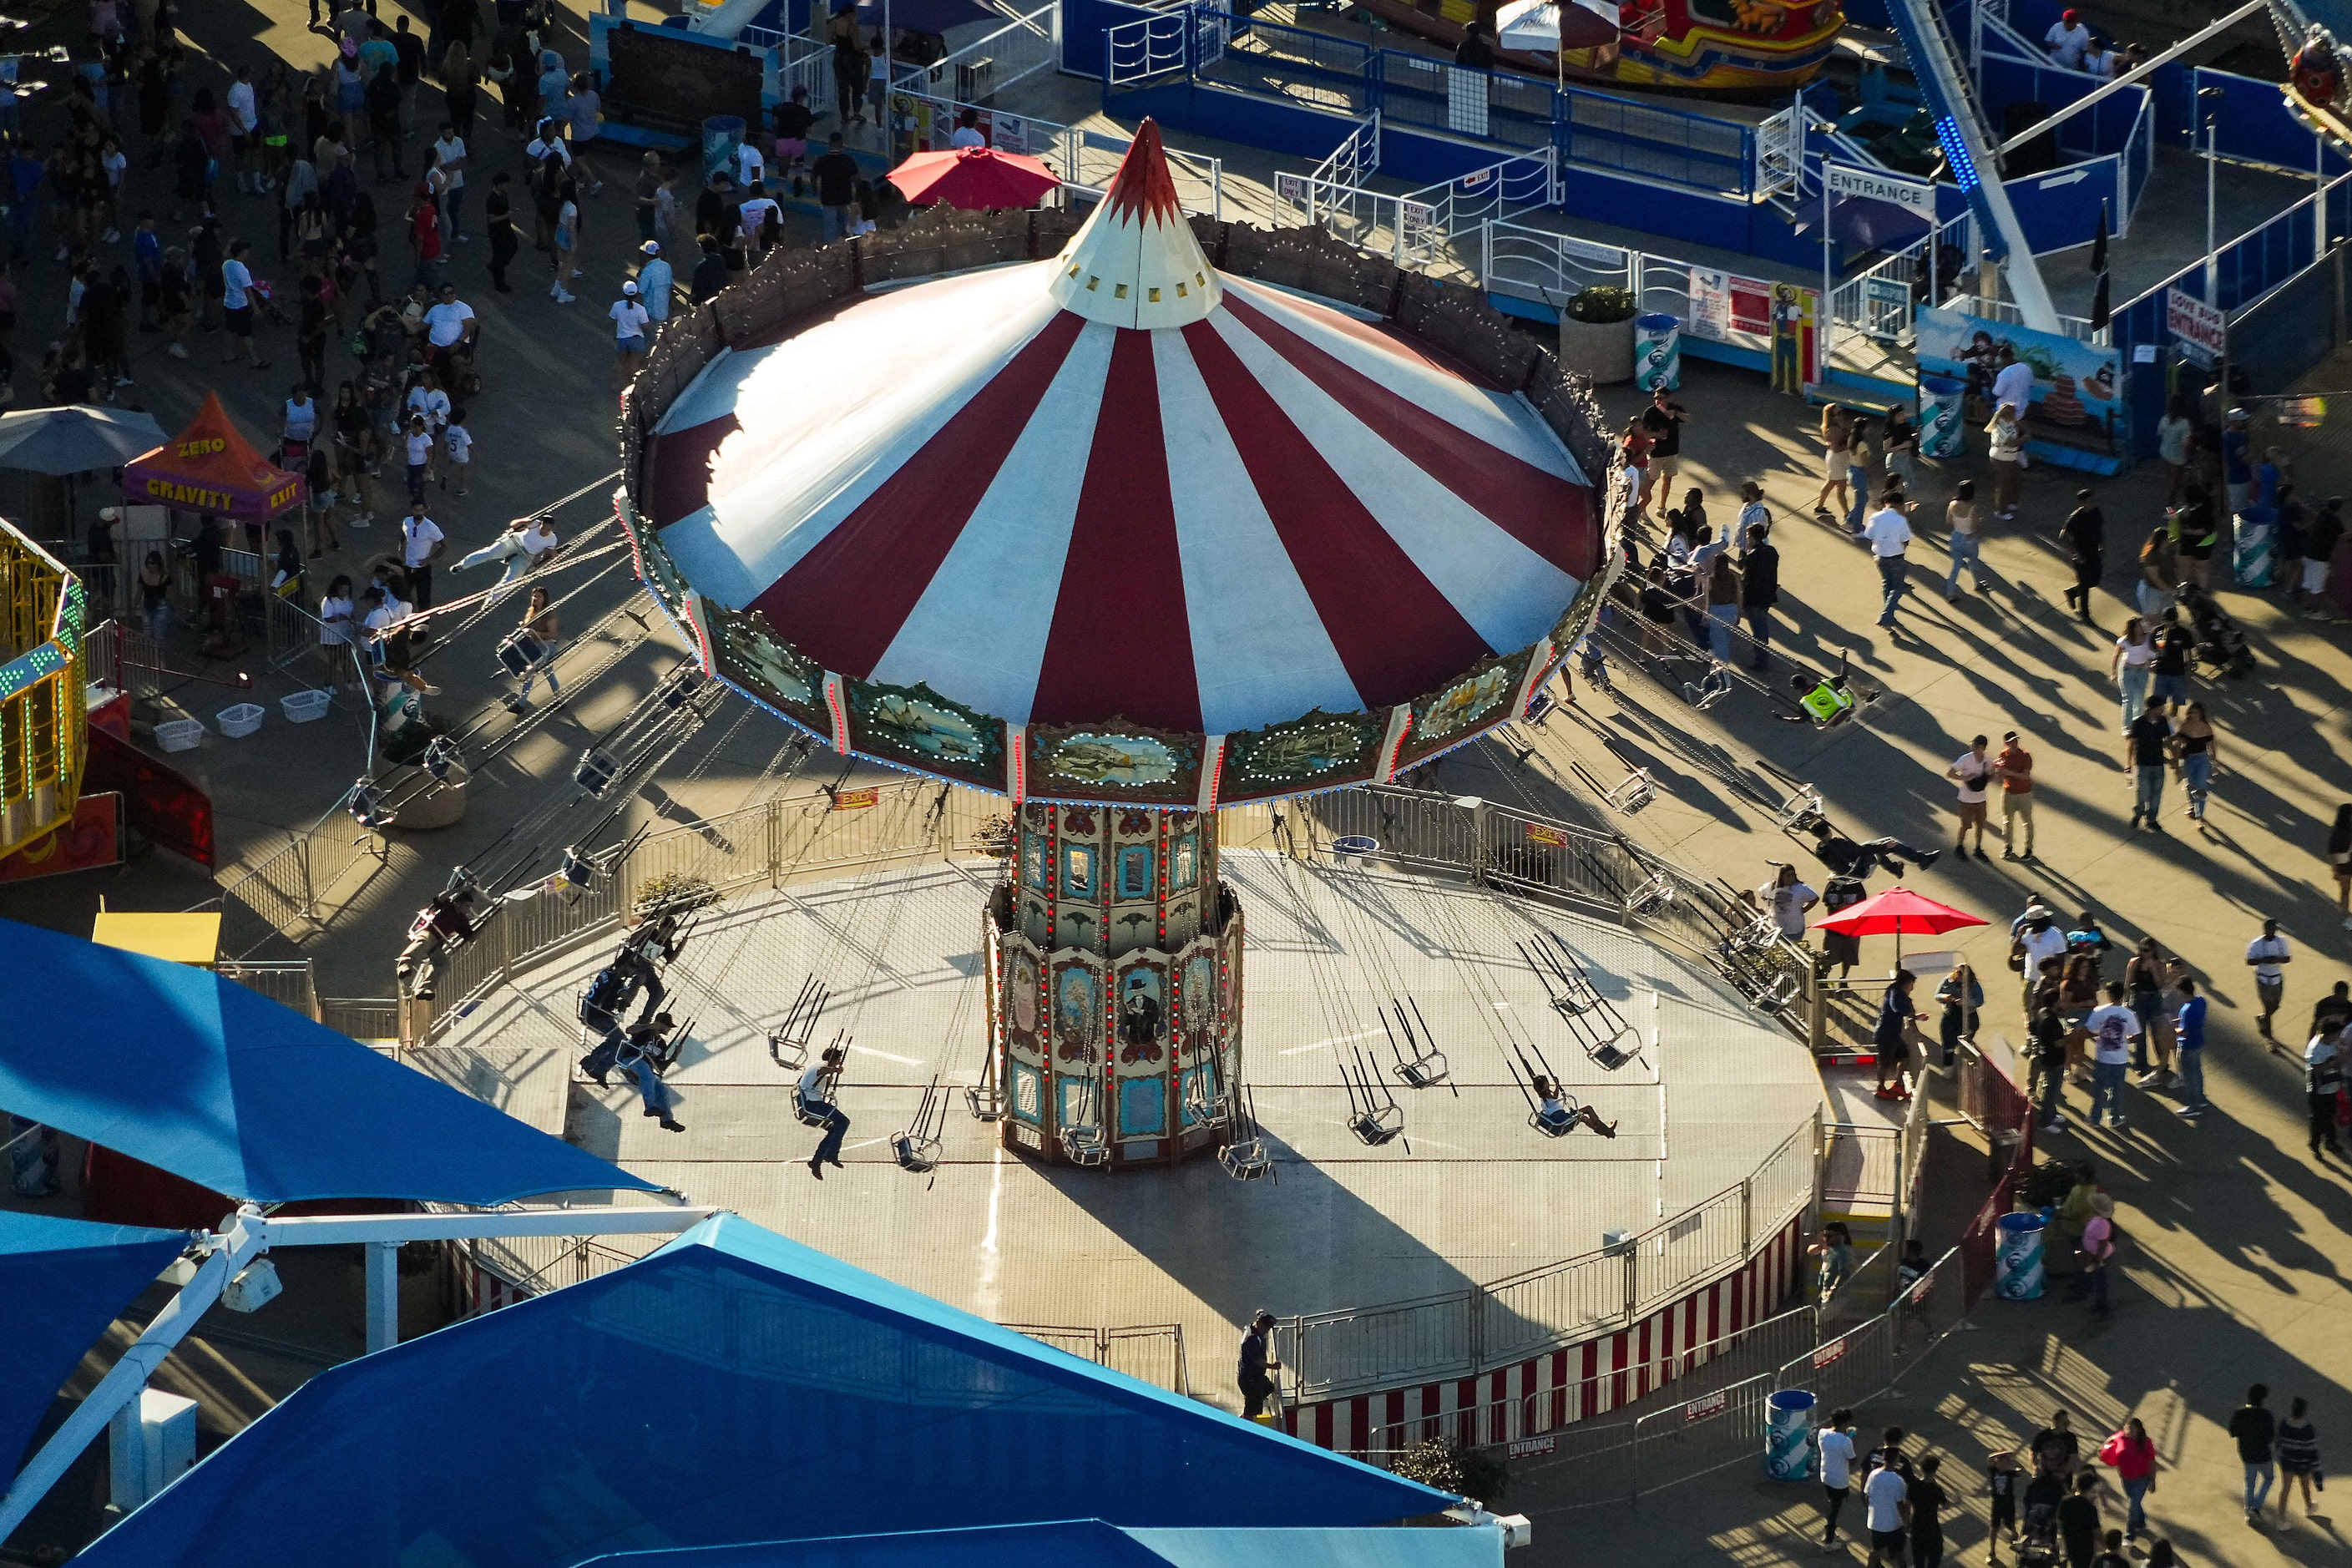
[1135, 52]
[1779, 152]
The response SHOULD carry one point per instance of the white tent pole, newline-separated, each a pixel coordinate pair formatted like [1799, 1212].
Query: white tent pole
[121, 1384]
[252, 1234]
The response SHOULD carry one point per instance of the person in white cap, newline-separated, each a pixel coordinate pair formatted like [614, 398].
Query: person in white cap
[654, 282]
[629, 318]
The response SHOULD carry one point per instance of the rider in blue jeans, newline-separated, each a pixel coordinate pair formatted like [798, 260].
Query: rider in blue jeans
[815, 1094]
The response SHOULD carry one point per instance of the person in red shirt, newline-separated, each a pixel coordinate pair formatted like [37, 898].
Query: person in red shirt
[424, 236]
[1638, 443]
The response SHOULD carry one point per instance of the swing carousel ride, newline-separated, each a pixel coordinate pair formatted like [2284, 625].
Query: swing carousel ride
[1127, 540]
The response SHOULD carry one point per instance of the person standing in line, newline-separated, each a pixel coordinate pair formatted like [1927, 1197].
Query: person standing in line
[1753, 513]
[1887, 1510]
[2256, 1430]
[2148, 750]
[238, 306]
[2189, 1044]
[629, 320]
[2014, 768]
[498, 214]
[1257, 1365]
[1889, 534]
[2035, 941]
[1895, 1034]
[2172, 446]
[2333, 1011]
[2268, 955]
[2339, 861]
[2131, 1453]
[2085, 535]
[421, 543]
[654, 282]
[2237, 465]
[448, 157]
[2110, 1026]
[836, 175]
[2130, 667]
[815, 1091]
[2045, 1034]
[2096, 1255]
[1857, 476]
[1961, 995]
[2012, 384]
[1966, 540]
[1663, 421]
[1927, 1501]
[2144, 985]
[1760, 590]
[1972, 773]
[2298, 1457]
[1787, 899]
[2319, 544]
[1835, 1444]
[2323, 1090]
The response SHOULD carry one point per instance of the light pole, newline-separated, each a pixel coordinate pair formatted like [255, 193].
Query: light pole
[1827, 328]
[2208, 103]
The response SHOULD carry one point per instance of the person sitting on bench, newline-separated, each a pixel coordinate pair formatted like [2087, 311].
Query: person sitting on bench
[815, 1096]
[1845, 857]
[1555, 1117]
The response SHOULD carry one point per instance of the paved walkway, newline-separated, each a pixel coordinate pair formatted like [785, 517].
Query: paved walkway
[2235, 1246]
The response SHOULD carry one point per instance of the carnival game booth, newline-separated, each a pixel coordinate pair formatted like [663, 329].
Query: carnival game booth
[1126, 536]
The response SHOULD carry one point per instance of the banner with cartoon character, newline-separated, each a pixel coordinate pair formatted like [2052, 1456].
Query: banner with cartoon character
[2079, 417]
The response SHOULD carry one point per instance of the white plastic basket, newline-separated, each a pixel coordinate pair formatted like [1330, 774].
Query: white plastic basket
[302, 707]
[241, 719]
[180, 734]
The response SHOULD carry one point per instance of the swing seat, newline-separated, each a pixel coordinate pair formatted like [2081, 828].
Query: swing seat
[790, 1054]
[1635, 792]
[1377, 1126]
[918, 1154]
[982, 1100]
[1800, 807]
[1424, 1071]
[1759, 935]
[1573, 1006]
[1610, 1054]
[1778, 996]
[808, 1114]
[1551, 1129]
[1651, 897]
[1246, 1161]
[1702, 696]
[1085, 1146]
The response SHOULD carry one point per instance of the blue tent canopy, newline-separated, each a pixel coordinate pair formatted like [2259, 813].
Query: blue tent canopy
[1091, 1544]
[734, 1387]
[63, 1281]
[200, 1077]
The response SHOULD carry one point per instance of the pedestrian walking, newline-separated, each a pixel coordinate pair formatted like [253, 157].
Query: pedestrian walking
[1927, 1499]
[1895, 1036]
[1889, 534]
[2196, 525]
[2322, 1089]
[2268, 955]
[629, 320]
[1960, 995]
[2131, 668]
[498, 216]
[2196, 751]
[1254, 1375]
[2007, 453]
[2131, 1454]
[1663, 422]
[2339, 861]
[2256, 1430]
[2078, 1521]
[1837, 439]
[2148, 751]
[2298, 1458]
[2085, 535]
[2014, 768]
[1857, 475]
[2189, 1046]
[2160, 571]
[1886, 1508]
[1834, 1444]
[1965, 521]
[1973, 773]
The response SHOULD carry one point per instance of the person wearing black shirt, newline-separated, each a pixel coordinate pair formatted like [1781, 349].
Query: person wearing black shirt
[2085, 534]
[1927, 1497]
[408, 70]
[1663, 422]
[1760, 590]
[2255, 1429]
[837, 186]
[710, 274]
[2319, 540]
[2047, 1035]
[1473, 52]
[1845, 857]
[2078, 1521]
[499, 213]
[2198, 531]
[2333, 1011]
[2170, 667]
[2148, 750]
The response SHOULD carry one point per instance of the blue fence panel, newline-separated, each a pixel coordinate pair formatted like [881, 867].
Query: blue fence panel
[1083, 24]
[2106, 127]
[1415, 90]
[2061, 208]
[1664, 144]
[2254, 126]
[1298, 66]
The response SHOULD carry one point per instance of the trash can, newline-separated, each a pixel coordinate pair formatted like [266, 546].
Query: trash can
[1657, 351]
[2253, 554]
[1942, 432]
[721, 134]
[2017, 1256]
[1789, 1435]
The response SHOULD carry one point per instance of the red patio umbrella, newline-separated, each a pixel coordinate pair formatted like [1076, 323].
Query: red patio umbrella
[974, 178]
[1898, 912]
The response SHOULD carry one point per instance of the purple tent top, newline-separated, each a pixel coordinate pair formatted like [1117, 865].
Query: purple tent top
[1862, 223]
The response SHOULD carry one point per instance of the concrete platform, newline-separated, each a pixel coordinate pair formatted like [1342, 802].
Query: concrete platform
[1470, 1192]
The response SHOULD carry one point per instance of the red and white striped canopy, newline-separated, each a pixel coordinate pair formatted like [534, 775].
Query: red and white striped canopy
[1121, 484]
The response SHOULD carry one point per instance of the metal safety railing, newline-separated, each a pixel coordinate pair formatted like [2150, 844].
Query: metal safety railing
[1461, 1333]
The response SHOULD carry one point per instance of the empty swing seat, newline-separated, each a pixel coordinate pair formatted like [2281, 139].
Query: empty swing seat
[1634, 793]
[982, 1100]
[1085, 1146]
[1424, 1071]
[1246, 1161]
[1379, 1125]
[1616, 1050]
[915, 1153]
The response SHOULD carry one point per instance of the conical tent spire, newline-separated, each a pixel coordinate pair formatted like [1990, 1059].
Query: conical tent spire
[1136, 263]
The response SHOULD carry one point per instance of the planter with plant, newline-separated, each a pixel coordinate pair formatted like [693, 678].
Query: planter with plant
[1596, 335]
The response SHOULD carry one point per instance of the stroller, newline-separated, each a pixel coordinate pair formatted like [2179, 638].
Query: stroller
[2038, 1545]
[2218, 641]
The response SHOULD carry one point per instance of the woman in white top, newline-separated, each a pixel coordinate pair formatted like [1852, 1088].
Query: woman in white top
[301, 416]
[335, 630]
[567, 239]
[2172, 434]
[1552, 1111]
[2008, 454]
[1966, 541]
[2133, 662]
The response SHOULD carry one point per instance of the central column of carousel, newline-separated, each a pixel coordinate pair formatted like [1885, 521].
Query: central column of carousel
[1115, 981]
